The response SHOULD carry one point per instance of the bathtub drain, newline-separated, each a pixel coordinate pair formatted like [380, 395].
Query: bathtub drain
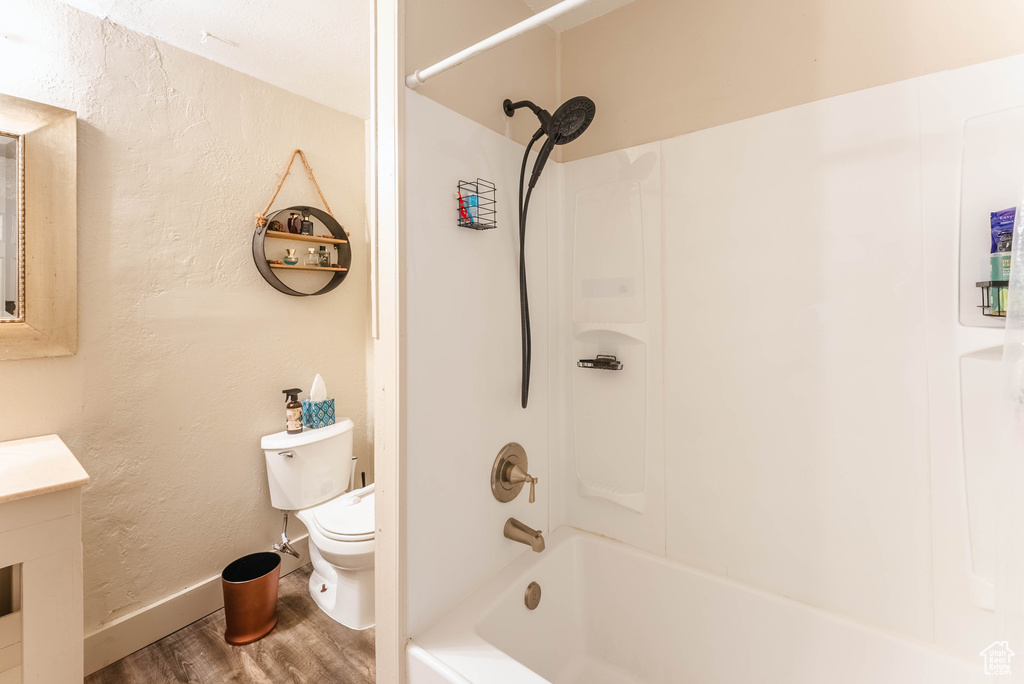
[532, 598]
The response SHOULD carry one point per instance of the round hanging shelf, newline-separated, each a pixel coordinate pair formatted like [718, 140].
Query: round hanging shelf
[338, 239]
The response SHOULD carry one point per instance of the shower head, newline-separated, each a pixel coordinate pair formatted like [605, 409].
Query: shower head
[566, 124]
[571, 119]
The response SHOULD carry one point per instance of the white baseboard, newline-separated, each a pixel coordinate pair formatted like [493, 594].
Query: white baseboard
[139, 629]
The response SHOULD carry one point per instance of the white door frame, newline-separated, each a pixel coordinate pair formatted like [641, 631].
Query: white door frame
[386, 176]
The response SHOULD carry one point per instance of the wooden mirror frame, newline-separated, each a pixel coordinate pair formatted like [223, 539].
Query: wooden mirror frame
[48, 294]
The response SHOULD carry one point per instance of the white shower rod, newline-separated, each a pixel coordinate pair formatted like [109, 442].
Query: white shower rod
[418, 78]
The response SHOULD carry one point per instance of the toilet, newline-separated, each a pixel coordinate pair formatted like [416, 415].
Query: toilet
[309, 474]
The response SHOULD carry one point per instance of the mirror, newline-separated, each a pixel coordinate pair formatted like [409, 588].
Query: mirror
[12, 272]
[38, 230]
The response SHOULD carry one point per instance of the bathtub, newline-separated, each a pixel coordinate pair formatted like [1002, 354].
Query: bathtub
[612, 614]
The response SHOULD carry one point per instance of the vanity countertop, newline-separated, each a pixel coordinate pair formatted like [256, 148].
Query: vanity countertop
[37, 465]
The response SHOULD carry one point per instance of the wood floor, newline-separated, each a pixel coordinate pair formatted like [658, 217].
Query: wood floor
[305, 647]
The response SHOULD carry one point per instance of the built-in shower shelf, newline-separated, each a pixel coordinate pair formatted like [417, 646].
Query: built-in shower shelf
[319, 239]
[299, 267]
[601, 362]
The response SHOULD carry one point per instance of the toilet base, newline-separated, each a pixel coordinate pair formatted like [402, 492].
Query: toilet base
[345, 595]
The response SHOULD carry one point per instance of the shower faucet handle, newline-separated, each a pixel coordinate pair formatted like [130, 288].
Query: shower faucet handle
[509, 474]
[515, 474]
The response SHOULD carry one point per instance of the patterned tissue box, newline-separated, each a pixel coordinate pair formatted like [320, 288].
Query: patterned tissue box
[318, 414]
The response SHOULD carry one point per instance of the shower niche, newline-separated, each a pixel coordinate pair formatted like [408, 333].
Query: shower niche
[609, 311]
[609, 419]
[992, 180]
[614, 310]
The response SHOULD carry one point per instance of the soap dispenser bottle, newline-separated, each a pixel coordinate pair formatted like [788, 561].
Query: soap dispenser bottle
[293, 411]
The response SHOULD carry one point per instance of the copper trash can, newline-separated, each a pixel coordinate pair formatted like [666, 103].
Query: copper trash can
[250, 597]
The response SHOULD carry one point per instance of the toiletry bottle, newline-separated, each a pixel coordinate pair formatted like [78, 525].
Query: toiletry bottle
[293, 411]
[306, 225]
[290, 257]
[325, 256]
[312, 259]
[294, 223]
[473, 207]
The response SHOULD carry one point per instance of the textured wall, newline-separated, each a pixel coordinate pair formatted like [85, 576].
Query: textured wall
[184, 349]
[660, 68]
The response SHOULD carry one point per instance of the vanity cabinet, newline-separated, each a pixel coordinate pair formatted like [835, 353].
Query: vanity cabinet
[41, 537]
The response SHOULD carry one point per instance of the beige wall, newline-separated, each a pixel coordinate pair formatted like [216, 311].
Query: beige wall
[184, 349]
[521, 69]
[661, 68]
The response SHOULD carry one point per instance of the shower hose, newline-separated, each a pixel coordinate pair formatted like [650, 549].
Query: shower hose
[524, 298]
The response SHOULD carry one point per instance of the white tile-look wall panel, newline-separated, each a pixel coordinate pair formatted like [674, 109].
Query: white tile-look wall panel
[608, 260]
[609, 482]
[795, 356]
[981, 387]
[463, 358]
[949, 100]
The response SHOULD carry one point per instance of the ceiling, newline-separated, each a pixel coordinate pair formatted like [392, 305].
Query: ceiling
[319, 49]
[592, 10]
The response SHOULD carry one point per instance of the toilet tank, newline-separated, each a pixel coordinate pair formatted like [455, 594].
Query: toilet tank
[310, 467]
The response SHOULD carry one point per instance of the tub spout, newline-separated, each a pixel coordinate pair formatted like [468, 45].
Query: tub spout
[518, 532]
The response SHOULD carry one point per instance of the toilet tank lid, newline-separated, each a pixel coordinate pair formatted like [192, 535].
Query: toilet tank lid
[282, 440]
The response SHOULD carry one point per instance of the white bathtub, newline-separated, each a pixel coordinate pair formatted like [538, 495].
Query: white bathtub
[611, 614]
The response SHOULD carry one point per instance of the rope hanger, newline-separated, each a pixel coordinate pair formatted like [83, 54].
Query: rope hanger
[261, 218]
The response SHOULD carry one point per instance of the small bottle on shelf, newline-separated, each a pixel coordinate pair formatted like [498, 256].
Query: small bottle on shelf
[312, 259]
[325, 256]
[294, 223]
[306, 224]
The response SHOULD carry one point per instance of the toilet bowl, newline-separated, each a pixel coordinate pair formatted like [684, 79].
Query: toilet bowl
[341, 545]
[308, 473]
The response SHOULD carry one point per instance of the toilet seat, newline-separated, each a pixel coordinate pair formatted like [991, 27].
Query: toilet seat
[341, 530]
[347, 518]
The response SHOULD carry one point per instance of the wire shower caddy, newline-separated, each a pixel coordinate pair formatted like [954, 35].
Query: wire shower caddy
[478, 206]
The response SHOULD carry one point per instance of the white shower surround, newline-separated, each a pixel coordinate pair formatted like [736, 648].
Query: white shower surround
[792, 276]
[850, 499]
[463, 358]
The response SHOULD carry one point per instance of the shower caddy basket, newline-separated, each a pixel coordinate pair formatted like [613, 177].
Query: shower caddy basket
[993, 297]
[477, 205]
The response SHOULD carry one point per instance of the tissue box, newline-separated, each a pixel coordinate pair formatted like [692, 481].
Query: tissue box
[318, 414]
